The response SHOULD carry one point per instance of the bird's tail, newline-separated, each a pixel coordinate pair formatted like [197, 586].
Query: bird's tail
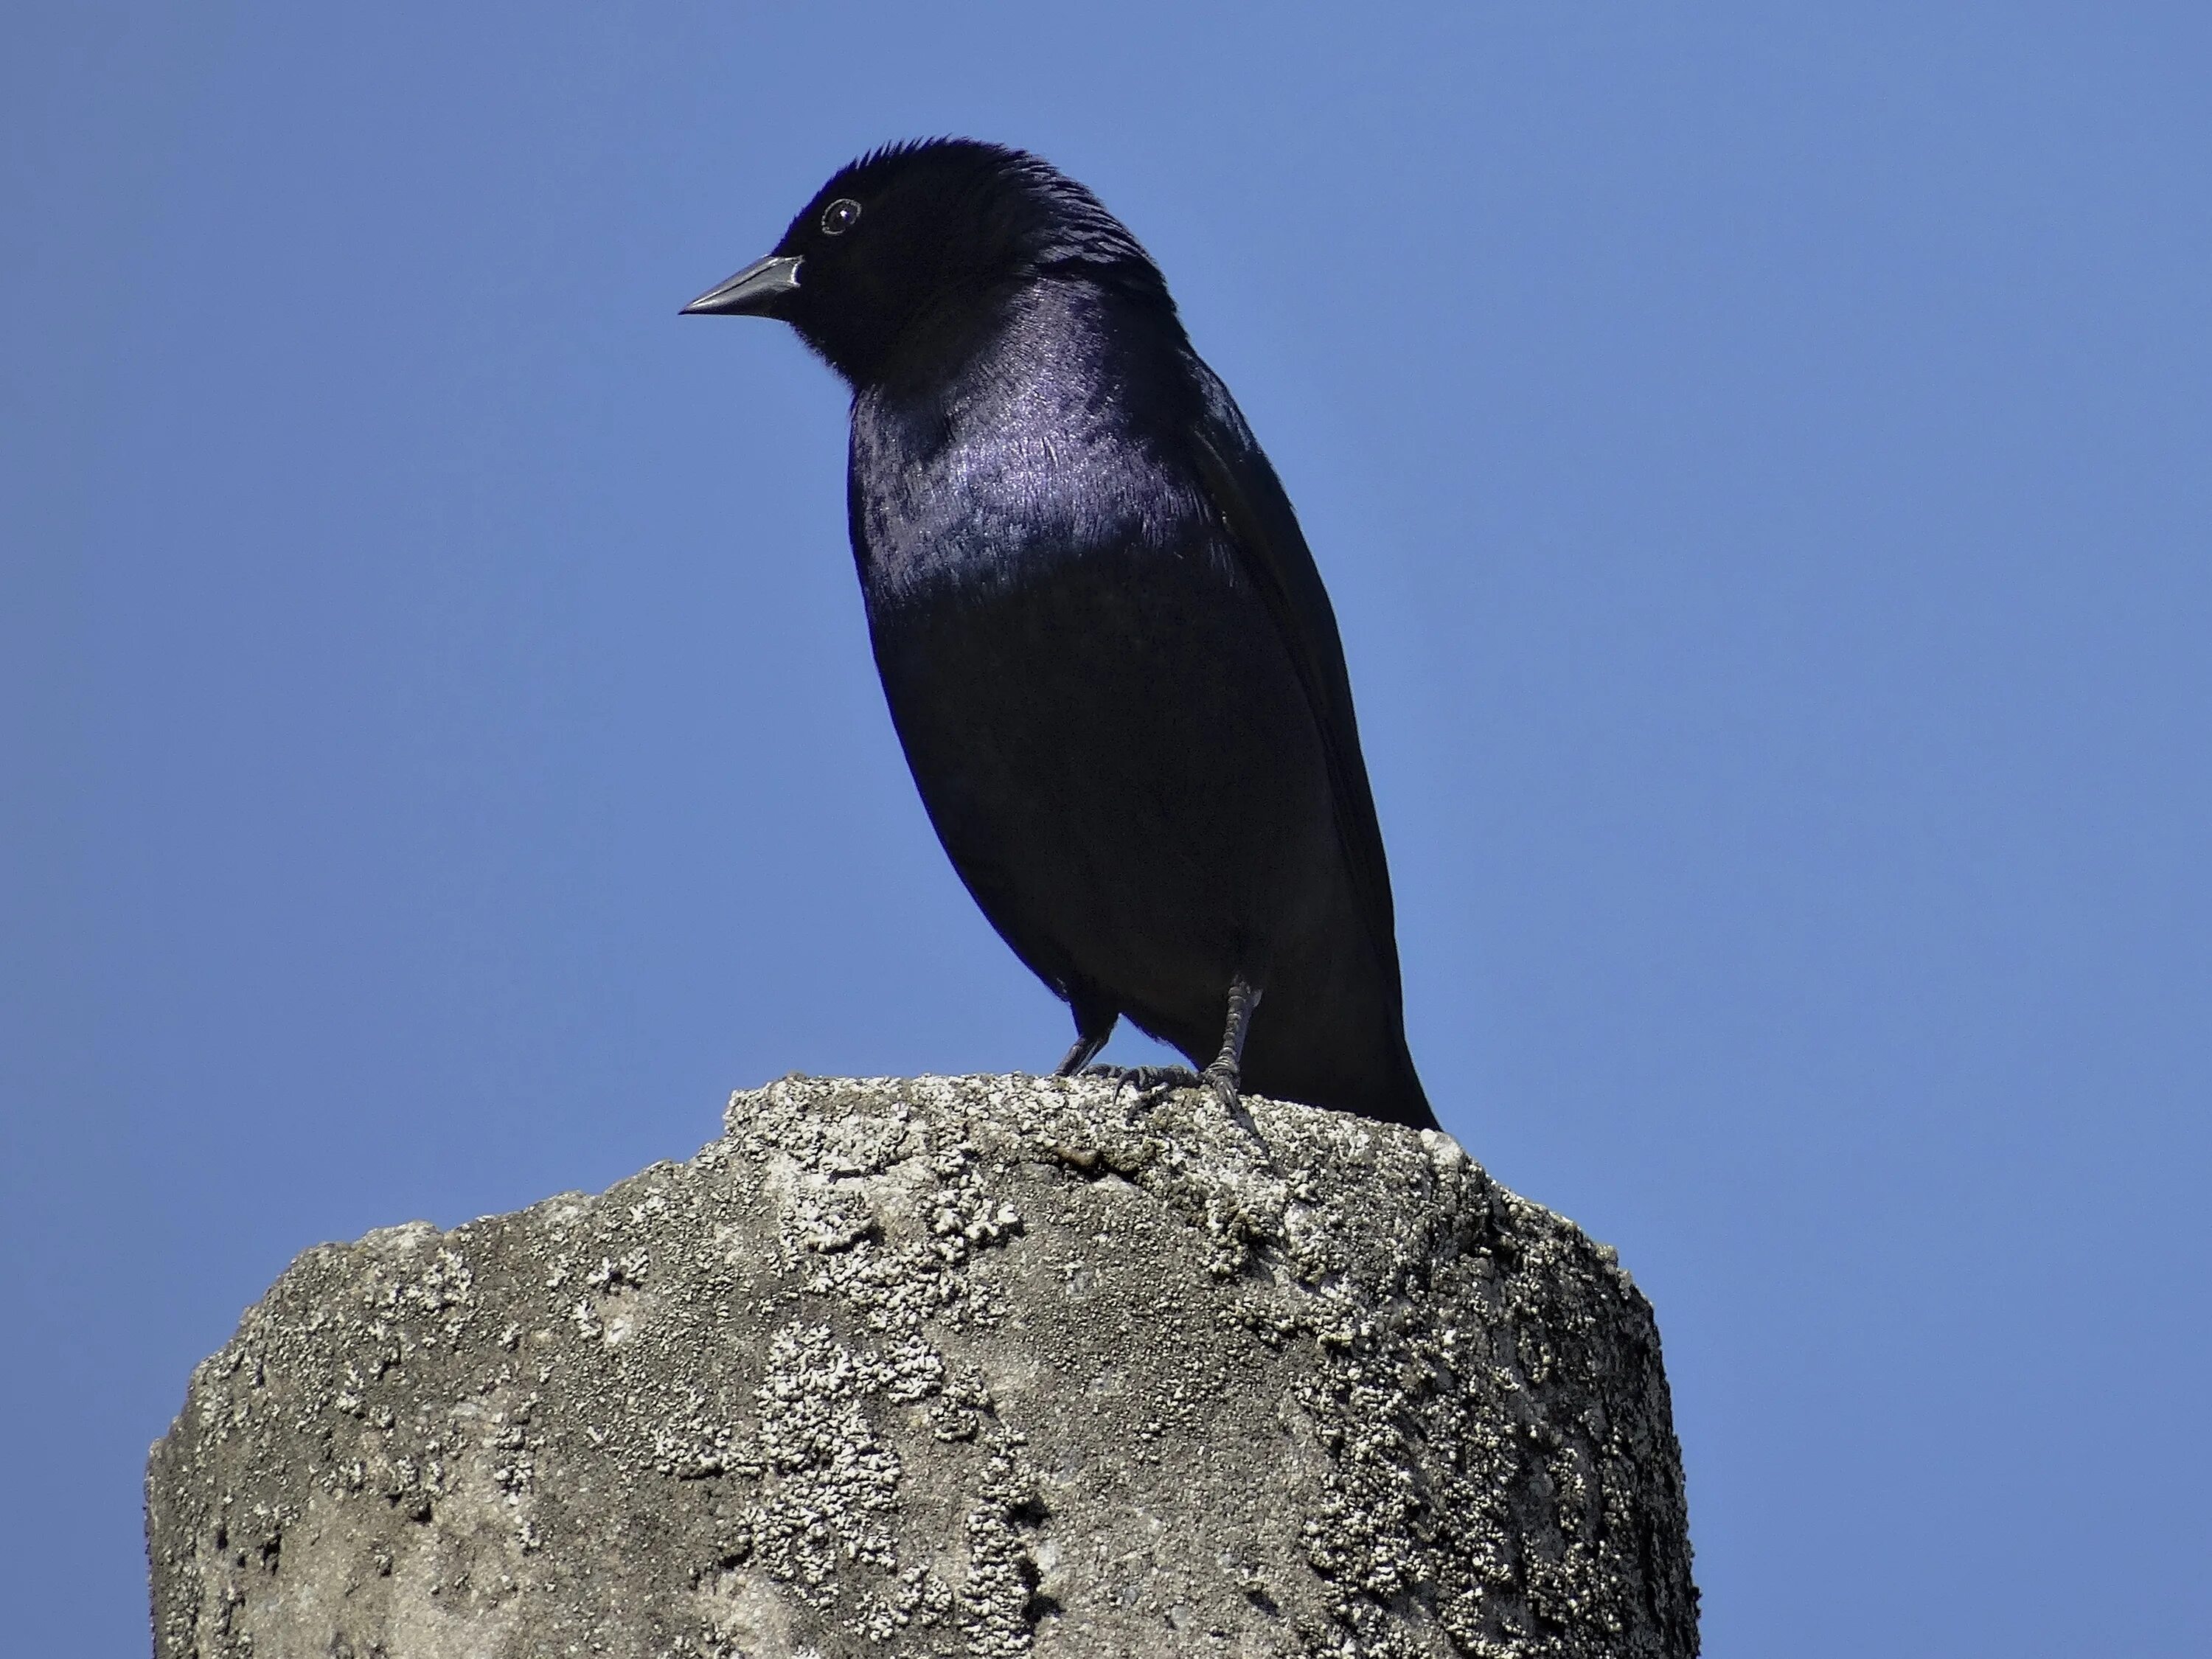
[1407, 1101]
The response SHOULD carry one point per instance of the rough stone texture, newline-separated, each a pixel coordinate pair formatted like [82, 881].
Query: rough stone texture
[976, 1366]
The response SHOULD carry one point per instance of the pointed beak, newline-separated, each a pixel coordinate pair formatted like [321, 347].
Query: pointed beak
[753, 292]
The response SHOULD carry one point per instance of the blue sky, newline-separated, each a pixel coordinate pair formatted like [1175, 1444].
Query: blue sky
[1760, 458]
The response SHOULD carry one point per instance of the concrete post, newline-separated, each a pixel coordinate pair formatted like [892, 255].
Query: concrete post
[973, 1366]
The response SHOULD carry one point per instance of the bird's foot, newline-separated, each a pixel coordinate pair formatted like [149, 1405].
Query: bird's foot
[1218, 1080]
[1145, 1078]
[1222, 1082]
[1221, 1078]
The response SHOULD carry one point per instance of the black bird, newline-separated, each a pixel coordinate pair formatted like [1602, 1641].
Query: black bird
[1106, 648]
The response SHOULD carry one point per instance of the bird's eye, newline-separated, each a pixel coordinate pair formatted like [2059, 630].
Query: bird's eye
[840, 217]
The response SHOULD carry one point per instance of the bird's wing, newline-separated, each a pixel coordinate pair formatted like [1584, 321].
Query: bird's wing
[1242, 485]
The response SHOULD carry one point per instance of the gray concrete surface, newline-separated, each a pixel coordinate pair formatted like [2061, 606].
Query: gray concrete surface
[973, 1366]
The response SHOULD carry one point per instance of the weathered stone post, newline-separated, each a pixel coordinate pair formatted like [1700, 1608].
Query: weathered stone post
[970, 1366]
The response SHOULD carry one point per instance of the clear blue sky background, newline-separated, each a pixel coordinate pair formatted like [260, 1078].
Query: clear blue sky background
[1763, 460]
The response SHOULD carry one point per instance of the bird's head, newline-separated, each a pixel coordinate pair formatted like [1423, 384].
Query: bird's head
[906, 253]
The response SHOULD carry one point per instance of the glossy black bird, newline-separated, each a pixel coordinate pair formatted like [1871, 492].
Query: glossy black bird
[1106, 648]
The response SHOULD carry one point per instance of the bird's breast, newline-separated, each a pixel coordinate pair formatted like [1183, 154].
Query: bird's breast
[1017, 477]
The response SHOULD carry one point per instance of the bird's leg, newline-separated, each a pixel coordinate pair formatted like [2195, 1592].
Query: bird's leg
[1225, 1074]
[1080, 1055]
[1094, 1023]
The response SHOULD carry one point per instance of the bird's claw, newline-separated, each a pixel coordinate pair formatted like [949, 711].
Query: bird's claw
[1223, 1084]
[1223, 1081]
[1217, 1080]
[1144, 1079]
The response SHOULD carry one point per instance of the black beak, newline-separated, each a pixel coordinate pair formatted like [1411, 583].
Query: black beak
[753, 292]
